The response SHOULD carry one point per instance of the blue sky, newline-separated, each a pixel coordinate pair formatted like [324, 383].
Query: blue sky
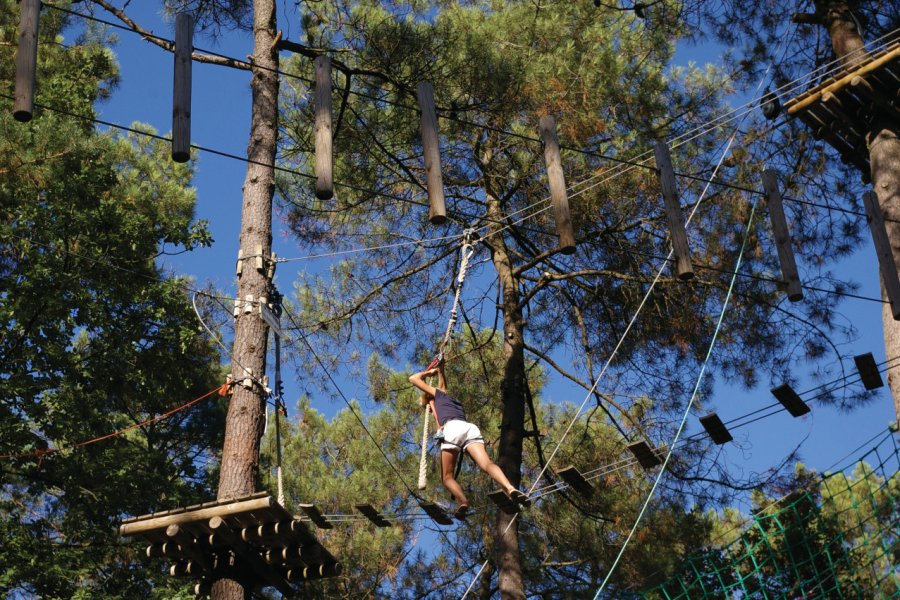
[220, 120]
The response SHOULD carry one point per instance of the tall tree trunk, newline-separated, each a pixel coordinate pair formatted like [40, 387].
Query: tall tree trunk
[884, 158]
[243, 427]
[512, 424]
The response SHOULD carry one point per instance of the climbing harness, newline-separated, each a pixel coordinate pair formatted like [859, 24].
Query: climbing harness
[468, 249]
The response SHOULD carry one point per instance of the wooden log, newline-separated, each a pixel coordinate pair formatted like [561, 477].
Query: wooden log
[436, 512]
[868, 371]
[309, 554]
[373, 515]
[558, 197]
[789, 399]
[683, 267]
[782, 236]
[572, 476]
[324, 153]
[645, 455]
[883, 250]
[716, 429]
[331, 569]
[874, 95]
[26, 60]
[181, 88]
[188, 545]
[141, 525]
[315, 516]
[250, 556]
[437, 212]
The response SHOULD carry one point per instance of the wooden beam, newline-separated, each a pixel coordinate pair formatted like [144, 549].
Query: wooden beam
[790, 400]
[868, 371]
[436, 512]
[373, 515]
[716, 428]
[188, 545]
[437, 213]
[250, 556]
[883, 250]
[26, 60]
[141, 525]
[645, 455]
[324, 153]
[181, 88]
[865, 89]
[782, 236]
[315, 516]
[683, 267]
[576, 480]
[558, 197]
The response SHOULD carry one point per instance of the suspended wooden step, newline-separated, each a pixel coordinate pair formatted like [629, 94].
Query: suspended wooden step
[716, 429]
[648, 457]
[782, 237]
[559, 200]
[838, 110]
[181, 88]
[503, 501]
[868, 371]
[437, 513]
[683, 268]
[576, 481]
[790, 400]
[233, 537]
[886, 264]
[373, 515]
[315, 516]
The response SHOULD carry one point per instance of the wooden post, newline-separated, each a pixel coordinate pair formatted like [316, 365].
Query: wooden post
[883, 250]
[683, 267]
[181, 88]
[26, 60]
[558, 197]
[782, 236]
[437, 213]
[324, 158]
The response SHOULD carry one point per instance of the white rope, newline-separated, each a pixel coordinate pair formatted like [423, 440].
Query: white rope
[423, 462]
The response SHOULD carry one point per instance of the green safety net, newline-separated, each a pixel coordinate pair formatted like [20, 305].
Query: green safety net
[840, 538]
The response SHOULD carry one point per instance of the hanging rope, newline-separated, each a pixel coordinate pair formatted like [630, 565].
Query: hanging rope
[468, 249]
[279, 400]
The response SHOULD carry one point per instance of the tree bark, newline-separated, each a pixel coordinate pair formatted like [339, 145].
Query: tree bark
[512, 424]
[884, 159]
[243, 427]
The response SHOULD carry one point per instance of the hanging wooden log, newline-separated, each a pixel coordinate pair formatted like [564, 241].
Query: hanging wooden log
[437, 212]
[576, 480]
[782, 236]
[788, 398]
[558, 197]
[883, 250]
[181, 88]
[683, 267]
[324, 156]
[26, 60]
[648, 457]
[716, 429]
[868, 371]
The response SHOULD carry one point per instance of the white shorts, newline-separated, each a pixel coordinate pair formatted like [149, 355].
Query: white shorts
[459, 434]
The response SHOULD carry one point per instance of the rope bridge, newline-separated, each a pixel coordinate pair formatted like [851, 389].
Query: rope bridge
[840, 538]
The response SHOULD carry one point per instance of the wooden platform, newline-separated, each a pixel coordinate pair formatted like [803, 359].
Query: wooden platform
[252, 538]
[839, 109]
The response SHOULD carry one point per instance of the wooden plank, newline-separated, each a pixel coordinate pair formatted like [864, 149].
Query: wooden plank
[683, 267]
[558, 197]
[503, 501]
[324, 152]
[645, 455]
[315, 516]
[782, 237]
[716, 429]
[181, 88]
[250, 556]
[788, 398]
[883, 250]
[437, 212]
[204, 514]
[868, 371]
[373, 515]
[437, 513]
[572, 476]
[26, 60]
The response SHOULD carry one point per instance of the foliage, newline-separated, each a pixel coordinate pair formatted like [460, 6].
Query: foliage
[93, 337]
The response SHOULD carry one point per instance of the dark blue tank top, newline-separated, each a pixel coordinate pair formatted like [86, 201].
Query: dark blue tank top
[447, 408]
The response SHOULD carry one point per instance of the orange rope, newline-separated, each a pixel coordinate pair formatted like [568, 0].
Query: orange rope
[221, 390]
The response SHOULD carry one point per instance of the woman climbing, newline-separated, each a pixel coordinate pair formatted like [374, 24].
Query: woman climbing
[456, 435]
